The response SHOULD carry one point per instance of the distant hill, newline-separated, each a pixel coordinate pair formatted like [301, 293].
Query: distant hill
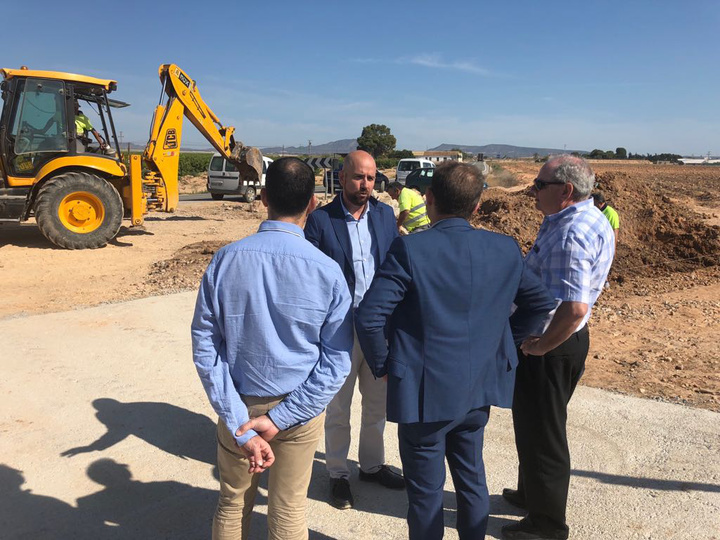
[343, 146]
[504, 150]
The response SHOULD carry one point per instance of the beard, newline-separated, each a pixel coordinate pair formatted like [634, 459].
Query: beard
[359, 198]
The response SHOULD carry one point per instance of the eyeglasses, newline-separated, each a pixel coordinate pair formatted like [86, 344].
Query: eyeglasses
[540, 184]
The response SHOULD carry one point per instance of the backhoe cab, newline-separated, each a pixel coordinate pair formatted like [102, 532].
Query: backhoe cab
[78, 188]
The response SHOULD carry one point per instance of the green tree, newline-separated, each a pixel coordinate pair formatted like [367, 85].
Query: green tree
[377, 140]
[621, 153]
[401, 154]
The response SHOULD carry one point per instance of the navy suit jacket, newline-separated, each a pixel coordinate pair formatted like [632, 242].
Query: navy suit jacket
[447, 294]
[327, 230]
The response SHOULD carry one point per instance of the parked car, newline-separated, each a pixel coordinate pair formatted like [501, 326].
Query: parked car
[420, 180]
[407, 165]
[224, 179]
[381, 181]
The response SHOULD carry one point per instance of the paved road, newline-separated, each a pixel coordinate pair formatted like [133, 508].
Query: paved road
[105, 432]
[197, 197]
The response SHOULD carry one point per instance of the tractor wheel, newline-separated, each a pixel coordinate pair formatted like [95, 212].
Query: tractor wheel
[78, 210]
[250, 194]
[217, 196]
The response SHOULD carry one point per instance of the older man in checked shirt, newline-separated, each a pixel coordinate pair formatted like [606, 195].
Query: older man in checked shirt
[272, 335]
[572, 255]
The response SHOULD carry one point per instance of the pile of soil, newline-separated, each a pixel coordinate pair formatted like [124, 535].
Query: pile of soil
[659, 236]
[185, 268]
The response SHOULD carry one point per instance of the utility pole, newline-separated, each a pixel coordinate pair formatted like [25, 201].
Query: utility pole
[309, 147]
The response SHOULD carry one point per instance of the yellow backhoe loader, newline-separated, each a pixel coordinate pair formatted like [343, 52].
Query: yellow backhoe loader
[79, 190]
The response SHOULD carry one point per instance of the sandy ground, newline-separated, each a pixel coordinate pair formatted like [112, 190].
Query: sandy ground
[654, 332]
[113, 390]
[106, 433]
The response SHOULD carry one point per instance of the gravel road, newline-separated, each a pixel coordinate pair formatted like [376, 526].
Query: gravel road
[105, 432]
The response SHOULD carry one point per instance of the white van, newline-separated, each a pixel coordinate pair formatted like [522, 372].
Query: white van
[224, 179]
[407, 165]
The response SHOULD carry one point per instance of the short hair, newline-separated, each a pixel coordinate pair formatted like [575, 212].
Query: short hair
[598, 197]
[395, 185]
[289, 186]
[573, 170]
[457, 188]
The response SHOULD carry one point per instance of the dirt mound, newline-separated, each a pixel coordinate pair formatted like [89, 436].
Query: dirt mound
[659, 236]
[185, 268]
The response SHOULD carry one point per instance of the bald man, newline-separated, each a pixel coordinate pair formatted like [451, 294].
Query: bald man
[356, 230]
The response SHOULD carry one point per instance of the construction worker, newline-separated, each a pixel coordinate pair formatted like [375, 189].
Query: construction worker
[609, 212]
[82, 126]
[413, 214]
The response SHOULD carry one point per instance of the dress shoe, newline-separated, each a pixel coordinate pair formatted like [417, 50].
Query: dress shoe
[340, 494]
[385, 477]
[526, 530]
[514, 497]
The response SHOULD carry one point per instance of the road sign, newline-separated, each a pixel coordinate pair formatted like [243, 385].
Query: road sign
[320, 163]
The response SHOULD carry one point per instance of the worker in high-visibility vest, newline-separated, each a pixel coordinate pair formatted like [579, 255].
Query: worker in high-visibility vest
[609, 212]
[413, 214]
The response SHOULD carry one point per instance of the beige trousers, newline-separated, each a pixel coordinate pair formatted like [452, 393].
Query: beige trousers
[371, 446]
[294, 450]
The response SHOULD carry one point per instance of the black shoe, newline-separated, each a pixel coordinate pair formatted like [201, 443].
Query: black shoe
[514, 497]
[385, 477]
[340, 494]
[526, 530]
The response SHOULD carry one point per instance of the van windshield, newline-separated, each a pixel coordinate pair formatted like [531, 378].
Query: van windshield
[408, 165]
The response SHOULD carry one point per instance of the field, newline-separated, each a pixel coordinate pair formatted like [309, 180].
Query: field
[654, 331]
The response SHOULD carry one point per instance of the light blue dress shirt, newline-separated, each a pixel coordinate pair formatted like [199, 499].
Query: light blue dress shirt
[363, 259]
[272, 318]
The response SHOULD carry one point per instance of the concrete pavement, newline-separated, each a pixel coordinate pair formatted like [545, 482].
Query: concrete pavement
[105, 432]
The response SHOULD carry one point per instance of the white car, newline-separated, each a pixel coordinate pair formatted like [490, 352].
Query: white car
[224, 179]
[407, 165]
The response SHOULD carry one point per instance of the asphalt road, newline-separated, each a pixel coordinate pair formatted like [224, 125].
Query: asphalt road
[197, 197]
[105, 432]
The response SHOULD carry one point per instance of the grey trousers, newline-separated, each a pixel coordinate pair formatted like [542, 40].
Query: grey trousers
[372, 422]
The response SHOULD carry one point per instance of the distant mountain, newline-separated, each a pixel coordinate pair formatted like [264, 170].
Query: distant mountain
[343, 146]
[504, 150]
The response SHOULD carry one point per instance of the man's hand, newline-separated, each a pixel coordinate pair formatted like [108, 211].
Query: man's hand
[262, 425]
[258, 453]
[531, 348]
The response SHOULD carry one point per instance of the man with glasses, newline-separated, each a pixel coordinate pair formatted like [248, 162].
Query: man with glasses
[572, 255]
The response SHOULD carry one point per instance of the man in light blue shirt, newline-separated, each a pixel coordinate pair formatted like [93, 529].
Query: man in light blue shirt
[272, 335]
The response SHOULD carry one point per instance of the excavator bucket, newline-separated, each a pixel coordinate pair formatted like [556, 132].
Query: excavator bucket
[249, 162]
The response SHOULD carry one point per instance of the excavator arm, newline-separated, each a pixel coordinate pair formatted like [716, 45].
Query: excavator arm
[162, 153]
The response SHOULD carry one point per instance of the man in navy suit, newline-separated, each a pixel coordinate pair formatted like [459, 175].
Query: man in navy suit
[444, 298]
[356, 230]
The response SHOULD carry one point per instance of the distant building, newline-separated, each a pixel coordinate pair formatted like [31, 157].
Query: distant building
[707, 160]
[439, 157]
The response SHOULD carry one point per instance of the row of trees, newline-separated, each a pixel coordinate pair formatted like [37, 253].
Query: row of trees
[621, 153]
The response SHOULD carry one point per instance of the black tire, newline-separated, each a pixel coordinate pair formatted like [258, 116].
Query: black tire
[217, 196]
[250, 194]
[101, 226]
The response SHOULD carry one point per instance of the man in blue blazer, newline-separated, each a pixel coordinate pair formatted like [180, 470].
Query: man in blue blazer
[444, 297]
[356, 230]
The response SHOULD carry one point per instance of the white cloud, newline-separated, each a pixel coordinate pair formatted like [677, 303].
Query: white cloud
[436, 61]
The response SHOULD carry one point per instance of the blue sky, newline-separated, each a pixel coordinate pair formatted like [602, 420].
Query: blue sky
[582, 75]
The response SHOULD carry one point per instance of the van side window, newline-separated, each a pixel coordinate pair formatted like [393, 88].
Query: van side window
[216, 163]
